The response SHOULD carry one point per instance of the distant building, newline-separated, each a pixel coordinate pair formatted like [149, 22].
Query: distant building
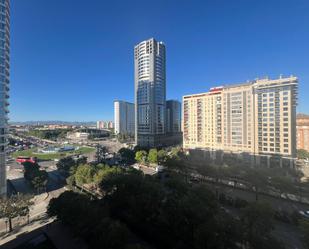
[4, 84]
[150, 93]
[100, 125]
[105, 125]
[79, 136]
[110, 125]
[302, 127]
[256, 118]
[124, 117]
[173, 116]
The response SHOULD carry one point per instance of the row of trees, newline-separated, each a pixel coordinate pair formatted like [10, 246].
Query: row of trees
[50, 134]
[152, 157]
[169, 214]
[279, 181]
[270, 180]
[68, 164]
[90, 174]
[13, 207]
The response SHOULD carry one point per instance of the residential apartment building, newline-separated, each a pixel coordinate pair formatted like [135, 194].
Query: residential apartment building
[150, 93]
[105, 125]
[4, 87]
[124, 117]
[173, 116]
[257, 118]
[302, 127]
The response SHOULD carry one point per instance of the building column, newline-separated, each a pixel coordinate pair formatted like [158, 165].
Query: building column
[268, 161]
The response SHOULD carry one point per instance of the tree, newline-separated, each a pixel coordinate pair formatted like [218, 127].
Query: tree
[127, 155]
[283, 184]
[64, 165]
[302, 154]
[102, 173]
[257, 179]
[36, 177]
[39, 182]
[30, 170]
[14, 206]
[304, 227]
[162, 157]
[84, 174]
[141, 156]
[257, 219]
[100, 153]
[153, 156]
[81, 160]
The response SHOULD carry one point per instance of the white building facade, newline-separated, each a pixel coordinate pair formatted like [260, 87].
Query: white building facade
[150, 93]
[124, 117]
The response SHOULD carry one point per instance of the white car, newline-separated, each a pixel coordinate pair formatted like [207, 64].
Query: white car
[136, 166]
[159, 168]
[304, 214]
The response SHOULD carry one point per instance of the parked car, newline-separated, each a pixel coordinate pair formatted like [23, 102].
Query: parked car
[305, 214]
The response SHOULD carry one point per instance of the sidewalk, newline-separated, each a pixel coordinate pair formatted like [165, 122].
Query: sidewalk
[18, 231]
[61, 237]
[36, 210]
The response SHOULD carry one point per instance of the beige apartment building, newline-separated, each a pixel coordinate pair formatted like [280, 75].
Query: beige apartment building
[257, 118]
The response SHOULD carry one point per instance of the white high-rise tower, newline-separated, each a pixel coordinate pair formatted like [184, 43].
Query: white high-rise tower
[150, 93]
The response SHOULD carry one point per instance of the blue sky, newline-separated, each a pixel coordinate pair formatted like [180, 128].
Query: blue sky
[70, 59]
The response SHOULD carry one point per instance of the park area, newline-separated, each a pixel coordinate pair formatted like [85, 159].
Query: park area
[51, 156]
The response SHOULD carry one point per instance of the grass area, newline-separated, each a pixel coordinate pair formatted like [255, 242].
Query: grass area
[51, 156]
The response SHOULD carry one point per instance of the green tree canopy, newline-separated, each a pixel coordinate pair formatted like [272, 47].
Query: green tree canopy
[153, 156]
[257, 219]
[302, 154]
[127, 155]
[14, 206]
[141, 156]
[162, 156]
[84, 174]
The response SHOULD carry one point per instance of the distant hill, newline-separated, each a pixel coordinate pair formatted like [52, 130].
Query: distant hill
[54, 122]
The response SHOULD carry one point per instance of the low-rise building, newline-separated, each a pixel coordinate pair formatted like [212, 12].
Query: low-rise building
[80, 136]
[302, 128]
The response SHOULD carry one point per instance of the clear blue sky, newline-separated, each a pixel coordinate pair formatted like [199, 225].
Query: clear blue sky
[71, 58]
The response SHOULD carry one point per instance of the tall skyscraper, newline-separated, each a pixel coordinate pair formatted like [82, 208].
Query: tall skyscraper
[124, 118]
[173, 116]
[257, 117]
[4, 86]
[150, 93]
